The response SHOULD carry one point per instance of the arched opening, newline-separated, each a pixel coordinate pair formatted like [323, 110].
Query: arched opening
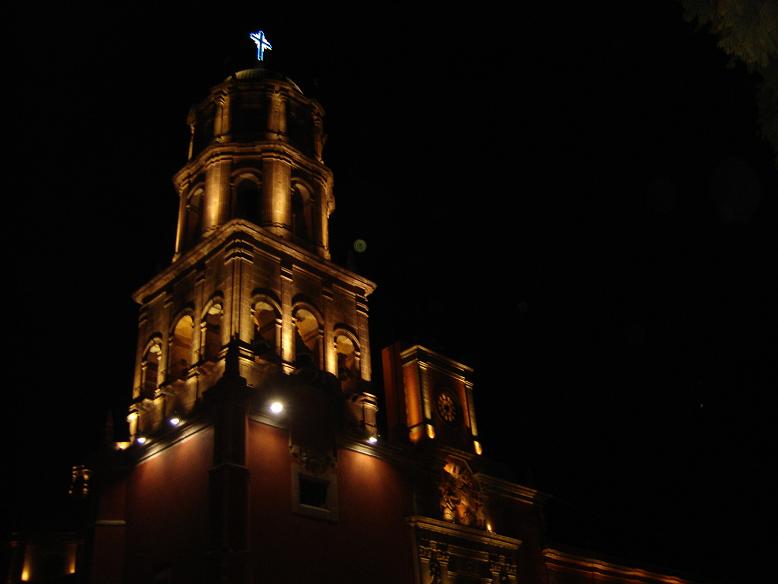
[267, 325]
[348, 363]
[212, 343]
[181, 347]
[150, 370]
[307, 336]
[194, 216]
[247, 199]
[301, 213]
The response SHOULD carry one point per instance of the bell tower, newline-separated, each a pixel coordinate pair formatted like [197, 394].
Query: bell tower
[251, 267]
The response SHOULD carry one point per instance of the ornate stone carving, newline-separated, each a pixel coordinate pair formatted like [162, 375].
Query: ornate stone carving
[435, 577]
[313, 461]
[447, 552]
[461, 500]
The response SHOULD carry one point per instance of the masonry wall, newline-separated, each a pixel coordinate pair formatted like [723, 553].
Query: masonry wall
[167, 519]
[370, 541]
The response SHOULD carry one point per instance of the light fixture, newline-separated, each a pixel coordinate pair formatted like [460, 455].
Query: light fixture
[175, 421]
[373, 440]
[276, 407]
[141, 440]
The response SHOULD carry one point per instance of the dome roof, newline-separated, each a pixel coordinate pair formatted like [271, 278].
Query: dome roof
[262, 74]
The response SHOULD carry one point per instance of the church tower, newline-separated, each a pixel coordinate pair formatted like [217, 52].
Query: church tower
[251, 263]
[254, 453]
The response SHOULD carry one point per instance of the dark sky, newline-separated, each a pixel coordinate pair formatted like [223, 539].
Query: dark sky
[575, 201]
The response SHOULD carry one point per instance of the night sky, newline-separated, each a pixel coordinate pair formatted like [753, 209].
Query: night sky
[574, 201]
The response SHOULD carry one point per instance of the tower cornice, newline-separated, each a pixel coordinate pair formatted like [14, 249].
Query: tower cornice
[233, 150]
[264, 242]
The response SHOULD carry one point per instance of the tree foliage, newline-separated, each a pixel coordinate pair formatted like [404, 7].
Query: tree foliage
[747, 30]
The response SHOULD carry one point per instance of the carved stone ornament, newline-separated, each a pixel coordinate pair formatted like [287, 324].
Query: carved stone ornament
[435, 577]
[447, 552]
[461, 500]
[314, 461]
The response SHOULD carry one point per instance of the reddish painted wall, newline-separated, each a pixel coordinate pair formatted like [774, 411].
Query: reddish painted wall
[369, 543]
[167, 519]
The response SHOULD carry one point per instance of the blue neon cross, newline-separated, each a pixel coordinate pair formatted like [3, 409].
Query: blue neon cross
[262, 43]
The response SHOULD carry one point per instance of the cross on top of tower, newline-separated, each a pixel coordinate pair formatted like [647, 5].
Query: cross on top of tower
[262, 43]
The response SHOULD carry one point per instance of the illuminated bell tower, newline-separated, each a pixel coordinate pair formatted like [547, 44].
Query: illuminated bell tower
[251, 265]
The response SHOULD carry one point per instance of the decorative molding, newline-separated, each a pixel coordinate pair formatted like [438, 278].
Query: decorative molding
[110, 523]
[259, 239]
[444, 552]
[596, 569]
[314, 461]
[502, 488]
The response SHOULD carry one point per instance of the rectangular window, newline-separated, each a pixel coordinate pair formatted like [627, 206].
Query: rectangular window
[313, 491]
[315, 494]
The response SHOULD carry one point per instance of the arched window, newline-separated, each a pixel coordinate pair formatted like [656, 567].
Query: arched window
[247, 200]
[181, 348]
[267, 328]
[150, 370]
[307, 338]
[194, 216]
[348, 362]
[212, 332]
[301, 213]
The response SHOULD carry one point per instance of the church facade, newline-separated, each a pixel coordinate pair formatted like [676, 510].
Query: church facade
[254, 452]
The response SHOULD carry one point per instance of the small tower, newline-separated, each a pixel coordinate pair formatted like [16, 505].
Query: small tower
[255, 153]
[429, 397]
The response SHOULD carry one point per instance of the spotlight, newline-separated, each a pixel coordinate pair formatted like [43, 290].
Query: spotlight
[175, 421]
[276, 407]
[372, 440]
[141, 440]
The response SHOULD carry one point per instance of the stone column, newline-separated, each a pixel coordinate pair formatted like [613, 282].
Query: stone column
[181, 225]
[330, 355]
[364, 337]
[222, 119]
[217, 193]
[287, 322]
[199, 306]
[276, 116]
[191, 122]
[277, 199]
[318, 135]
[238, 260]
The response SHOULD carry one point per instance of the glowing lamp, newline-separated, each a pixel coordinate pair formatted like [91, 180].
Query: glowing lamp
[175, 421]
[372, 440]
[276, 407]
[141, 440]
